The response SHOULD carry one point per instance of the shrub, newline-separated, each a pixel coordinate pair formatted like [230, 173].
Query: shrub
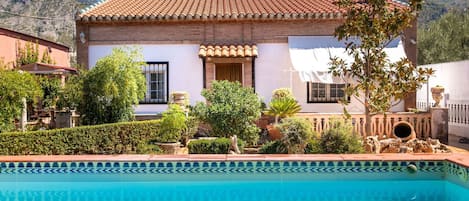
[113, 87]
[313, 146]
[282, 93]
[215, 146]
[340, 138]
[149, 148]
[50, 88]
[14, 86]
[296, 133]
[283, 107]
[118, 138]
[172, 124]
[232, 110]
[71, 95]
[192, 125]
[273, 147]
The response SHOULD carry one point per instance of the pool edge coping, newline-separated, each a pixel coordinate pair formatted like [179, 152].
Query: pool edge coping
[458, 158]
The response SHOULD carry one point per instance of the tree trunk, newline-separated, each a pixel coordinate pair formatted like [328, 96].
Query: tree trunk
[367, 103]
[367, 121]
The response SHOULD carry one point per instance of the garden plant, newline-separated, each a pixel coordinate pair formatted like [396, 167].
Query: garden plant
[373, 79]
[231, 109]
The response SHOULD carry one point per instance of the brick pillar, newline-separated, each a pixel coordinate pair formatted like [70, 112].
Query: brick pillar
[440, 124]
[209, 74]
[82, 46]
[63, 119]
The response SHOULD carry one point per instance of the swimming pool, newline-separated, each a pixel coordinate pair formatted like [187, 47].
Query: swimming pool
[234, 180]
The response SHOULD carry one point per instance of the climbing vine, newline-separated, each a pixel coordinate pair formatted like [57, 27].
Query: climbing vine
[29, 53]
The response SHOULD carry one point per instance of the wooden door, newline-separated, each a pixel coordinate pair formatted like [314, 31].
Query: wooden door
[229, 71]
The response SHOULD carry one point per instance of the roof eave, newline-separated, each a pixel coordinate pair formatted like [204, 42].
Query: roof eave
[234, 17]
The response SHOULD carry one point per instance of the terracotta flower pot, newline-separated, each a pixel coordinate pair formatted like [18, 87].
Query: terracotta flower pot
[274, 132]
[169, 147]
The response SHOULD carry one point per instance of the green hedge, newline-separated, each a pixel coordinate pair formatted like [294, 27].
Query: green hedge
[118, 138]
[273, 147]
[215, 146]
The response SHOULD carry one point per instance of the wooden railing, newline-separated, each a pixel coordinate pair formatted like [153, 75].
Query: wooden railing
[381, 124]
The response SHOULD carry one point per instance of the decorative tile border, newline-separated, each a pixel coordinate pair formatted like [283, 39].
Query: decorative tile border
[212, 167]
[457, 171]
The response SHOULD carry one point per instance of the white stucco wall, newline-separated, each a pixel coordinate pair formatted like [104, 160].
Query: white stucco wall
[274, 70]
[454, 77]
[185, 69]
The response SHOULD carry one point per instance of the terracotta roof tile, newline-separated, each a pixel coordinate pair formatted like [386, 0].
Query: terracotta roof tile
[123, 10]
[47, 67]
[228, 51]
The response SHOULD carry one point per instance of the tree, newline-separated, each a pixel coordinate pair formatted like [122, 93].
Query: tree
[374, 23]
[445, 40]
[14, 86]
[71, 95]
[231, 110]
[50, 87]
[112, 87]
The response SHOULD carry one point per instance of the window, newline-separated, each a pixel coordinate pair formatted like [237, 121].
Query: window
[325, 93]
[156, 75]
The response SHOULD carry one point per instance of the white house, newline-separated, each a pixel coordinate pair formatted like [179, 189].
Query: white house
[265, 44]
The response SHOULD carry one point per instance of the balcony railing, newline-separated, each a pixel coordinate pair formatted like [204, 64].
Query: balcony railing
[458, 111]
[381, 125]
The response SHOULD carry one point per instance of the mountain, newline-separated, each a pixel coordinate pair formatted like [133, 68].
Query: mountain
[49, 19]
[433, 9]
[54, 19]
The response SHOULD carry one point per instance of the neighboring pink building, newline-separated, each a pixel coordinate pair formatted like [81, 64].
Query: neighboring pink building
[9, 41]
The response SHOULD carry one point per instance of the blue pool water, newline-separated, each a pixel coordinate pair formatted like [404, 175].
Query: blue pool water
[353, 190]
[233, 181]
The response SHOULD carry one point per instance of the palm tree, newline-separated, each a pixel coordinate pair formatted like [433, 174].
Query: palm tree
[283, 107]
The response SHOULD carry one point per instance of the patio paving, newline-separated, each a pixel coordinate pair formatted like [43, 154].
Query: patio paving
[454, 141]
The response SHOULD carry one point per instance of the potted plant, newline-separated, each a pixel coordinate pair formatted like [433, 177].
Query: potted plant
[436, 94]
[280, 108]
[172, 125]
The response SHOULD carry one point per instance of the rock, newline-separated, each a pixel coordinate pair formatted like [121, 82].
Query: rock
[372, 144]
[395, 145]
[391, 148]
[412, 168]
[434, 142]
[390, 145]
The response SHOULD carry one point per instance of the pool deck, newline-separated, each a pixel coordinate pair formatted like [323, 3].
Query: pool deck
[459, 158]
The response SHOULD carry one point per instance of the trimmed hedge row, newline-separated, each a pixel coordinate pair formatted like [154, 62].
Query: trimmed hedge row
[117, 138]
[215, 146]
[273, 147]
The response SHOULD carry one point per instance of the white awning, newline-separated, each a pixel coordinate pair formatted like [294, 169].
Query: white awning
[310, 56]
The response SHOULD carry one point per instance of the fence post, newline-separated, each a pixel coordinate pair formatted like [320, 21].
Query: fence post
[439, 125]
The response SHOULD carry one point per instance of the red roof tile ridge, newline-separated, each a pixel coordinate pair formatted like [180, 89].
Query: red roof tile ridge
[161, 10]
